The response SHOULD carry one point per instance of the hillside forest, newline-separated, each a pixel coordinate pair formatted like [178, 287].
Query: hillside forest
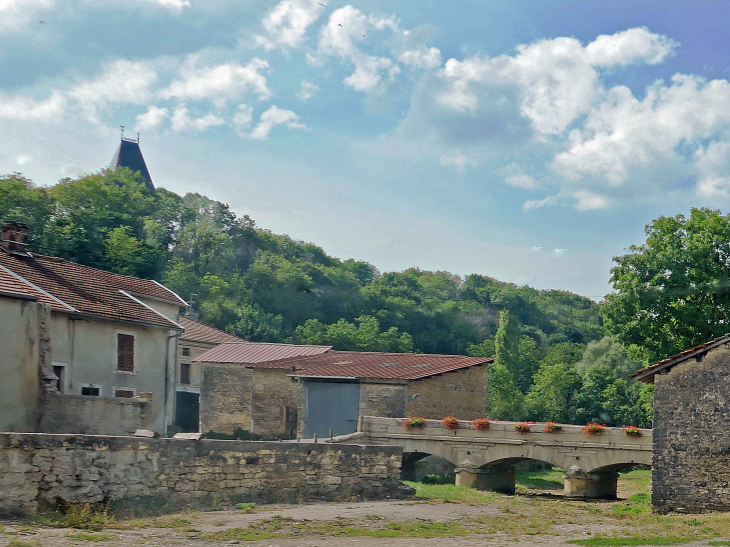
[555, 358]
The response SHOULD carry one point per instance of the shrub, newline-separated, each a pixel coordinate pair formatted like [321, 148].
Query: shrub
[481, 424]
[631, 430]
[552, 427]
[414, 423]
[594, 429]
[523, 427]
[450, 422]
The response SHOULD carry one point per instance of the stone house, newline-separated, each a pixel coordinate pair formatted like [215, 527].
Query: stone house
[196, 339]
[691, 448]
[307, 395]
[84, 350]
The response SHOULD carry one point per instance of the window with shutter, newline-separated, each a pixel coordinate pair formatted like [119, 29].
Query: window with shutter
[125, 352]
[185, 373]
[126, 393]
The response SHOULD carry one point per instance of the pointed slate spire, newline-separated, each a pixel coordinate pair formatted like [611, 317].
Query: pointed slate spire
[129, 155]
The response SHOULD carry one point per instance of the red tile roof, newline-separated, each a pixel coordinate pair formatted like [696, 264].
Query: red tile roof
[198, 332]
[256, 352]
[73, 288]
[395, 366]
[647, 374]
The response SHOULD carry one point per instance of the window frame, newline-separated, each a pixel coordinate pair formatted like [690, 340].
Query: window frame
[190, 374]
[134, 352]
[97, 386]
[120, 388]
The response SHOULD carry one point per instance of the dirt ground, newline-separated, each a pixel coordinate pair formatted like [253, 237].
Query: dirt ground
[314, 525]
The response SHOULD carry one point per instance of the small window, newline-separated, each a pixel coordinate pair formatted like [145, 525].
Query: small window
[185, 373]
[186, 352]
[91, 390]
[60, 372]
[124, 393]
[125, 352]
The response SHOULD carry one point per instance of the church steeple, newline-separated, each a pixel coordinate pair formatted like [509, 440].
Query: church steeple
[129, 155]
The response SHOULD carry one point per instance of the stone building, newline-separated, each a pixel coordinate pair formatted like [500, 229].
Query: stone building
[83, 350]
[304, 396]
[196, 339]
[691, 448]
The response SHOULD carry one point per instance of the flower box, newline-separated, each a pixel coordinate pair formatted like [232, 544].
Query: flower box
[481, 424]
[414, 423]
[523, 427]
[450, 422]
[594, 429]
[631, 430]
[552, 427]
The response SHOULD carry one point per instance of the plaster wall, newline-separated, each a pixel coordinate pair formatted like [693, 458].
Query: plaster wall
[20, 387]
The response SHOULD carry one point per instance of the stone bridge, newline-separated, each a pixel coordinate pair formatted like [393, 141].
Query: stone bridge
[487, 460]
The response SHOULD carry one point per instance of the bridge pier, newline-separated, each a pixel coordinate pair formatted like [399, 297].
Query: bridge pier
[582, 485]
[500, 479]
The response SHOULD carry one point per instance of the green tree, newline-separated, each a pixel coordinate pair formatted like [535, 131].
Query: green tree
[672, 292]
[362, 335]
[553, 393]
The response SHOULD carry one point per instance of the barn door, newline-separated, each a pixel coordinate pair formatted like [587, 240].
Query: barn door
[331, 405]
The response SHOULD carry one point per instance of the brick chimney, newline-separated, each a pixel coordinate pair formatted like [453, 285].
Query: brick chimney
[14, 236]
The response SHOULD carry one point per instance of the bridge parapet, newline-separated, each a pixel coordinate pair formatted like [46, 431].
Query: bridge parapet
[487, 459]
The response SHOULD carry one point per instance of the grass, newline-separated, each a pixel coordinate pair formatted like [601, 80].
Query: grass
[84, 517]
[717, 543]
[451, 493]
[628, 541]
[550, 479]
[86, 536]
[246, 507]
[15, 542]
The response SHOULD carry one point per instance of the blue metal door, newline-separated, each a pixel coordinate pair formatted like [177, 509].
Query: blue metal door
[331, 405]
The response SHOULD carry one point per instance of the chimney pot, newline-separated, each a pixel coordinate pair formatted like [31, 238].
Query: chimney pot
[14, 236]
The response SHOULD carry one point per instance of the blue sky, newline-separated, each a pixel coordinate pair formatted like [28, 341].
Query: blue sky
[528, 141]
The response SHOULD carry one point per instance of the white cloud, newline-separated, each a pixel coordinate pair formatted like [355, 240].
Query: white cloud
[219, 83]
[243, 116]
[347, 27]
[181, 120]
[307, 90]
[537, 203]
[15, 15]
[153, 118]
[121, 82]
[421, 58]
[287, 24]
[175, 4]
[514, 175]
[272, 117]
[633, 46]
[713, 164]
[23, 108]
[588, 201]
[457, 160]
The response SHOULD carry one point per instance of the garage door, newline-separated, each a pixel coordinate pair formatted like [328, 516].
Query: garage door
[331, 405]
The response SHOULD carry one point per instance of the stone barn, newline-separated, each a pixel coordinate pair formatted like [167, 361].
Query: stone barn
[307, 395]
[691, 447]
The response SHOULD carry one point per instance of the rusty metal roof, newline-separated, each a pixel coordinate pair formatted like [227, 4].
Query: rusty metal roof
[393, 366]
[256, 352]
[198, 332]
[647, 374]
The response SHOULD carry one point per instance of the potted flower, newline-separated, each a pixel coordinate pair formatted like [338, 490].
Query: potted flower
[594, 429]
[523, 427]
[632, 430]
[552, 427]
[481, 424]
[414, 423]
[450, 422]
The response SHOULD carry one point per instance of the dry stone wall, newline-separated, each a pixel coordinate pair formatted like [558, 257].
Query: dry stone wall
[691, 452]
[37, 470]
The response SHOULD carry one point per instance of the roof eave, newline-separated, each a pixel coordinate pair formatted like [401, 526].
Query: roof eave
[647, 375]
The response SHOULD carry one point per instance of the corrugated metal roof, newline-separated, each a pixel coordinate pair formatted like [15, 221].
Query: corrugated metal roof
[647, 374]
[256, 352]
[198, 332]
[395, 366]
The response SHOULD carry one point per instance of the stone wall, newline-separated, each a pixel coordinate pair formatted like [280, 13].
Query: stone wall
[462, 393]
[93, 415]
[387, 399]
[226, 398]
[40, 469]
[273, 393]
[691, 448]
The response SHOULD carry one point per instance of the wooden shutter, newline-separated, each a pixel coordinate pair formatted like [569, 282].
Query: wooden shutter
[125, 352]
[125, 393]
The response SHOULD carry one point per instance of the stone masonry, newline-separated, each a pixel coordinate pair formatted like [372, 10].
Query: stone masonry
[691, 452]
[38, 470]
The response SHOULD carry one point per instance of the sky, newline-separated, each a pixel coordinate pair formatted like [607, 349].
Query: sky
[527, 141]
